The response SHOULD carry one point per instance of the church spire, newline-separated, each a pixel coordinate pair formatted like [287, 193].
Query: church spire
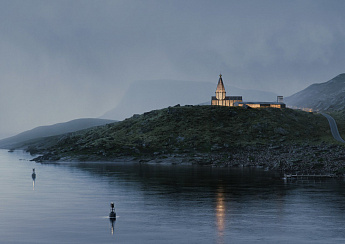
[220, 92]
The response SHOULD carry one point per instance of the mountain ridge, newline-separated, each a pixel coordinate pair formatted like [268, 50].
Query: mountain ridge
[52, 130]
[325, 96]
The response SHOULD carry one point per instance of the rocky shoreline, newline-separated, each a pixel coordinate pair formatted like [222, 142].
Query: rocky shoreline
[289, 159]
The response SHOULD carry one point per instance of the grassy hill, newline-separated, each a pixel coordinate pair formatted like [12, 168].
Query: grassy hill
[189, 130]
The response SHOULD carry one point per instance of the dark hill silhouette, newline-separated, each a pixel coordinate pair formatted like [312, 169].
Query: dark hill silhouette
[52, 130]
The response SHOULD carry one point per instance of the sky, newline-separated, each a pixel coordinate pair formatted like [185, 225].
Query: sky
[62, 60]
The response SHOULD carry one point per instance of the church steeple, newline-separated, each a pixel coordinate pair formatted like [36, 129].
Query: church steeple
[220, 92]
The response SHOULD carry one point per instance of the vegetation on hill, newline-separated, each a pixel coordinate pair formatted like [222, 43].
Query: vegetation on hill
[188, 130]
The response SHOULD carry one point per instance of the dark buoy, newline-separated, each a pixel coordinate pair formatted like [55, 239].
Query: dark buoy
[33, 174]
[112, 214]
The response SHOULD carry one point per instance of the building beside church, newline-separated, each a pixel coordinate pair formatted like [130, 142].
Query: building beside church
[221, 99]
[231, 101]
[262, 104]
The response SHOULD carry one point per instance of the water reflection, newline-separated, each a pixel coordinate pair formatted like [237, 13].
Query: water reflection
[166, 204]
[112, 222]
[220, 214]
[263, 206]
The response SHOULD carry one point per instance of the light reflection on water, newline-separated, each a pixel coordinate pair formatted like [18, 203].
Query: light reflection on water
[69, 203]
[220, 213]
[112, 222]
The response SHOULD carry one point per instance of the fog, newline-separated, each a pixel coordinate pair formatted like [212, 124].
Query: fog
[62, 60]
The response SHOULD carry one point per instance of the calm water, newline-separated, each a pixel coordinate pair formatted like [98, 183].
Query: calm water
[69, 203]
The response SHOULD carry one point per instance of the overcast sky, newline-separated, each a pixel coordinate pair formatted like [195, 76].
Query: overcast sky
[62, 60]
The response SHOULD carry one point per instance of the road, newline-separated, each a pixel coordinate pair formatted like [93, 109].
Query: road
[334, 128]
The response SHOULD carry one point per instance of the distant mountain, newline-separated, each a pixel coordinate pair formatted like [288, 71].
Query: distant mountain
[144, 96]
[52, 130]
[327, 96]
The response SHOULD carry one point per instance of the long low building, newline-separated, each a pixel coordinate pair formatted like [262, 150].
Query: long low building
[261, 104]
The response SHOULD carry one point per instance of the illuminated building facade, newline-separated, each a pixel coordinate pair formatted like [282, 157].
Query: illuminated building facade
[221, 99]
[277, 104]
[261, 104]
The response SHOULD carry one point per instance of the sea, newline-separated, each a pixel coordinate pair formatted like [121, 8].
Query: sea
[69, 202]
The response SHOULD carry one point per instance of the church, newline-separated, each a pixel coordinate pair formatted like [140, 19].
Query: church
[230, 101]
[221, 99]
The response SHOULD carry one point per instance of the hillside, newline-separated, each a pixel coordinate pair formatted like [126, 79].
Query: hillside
[144, 96]
[52, 130]
[327, 96]
[192, 129]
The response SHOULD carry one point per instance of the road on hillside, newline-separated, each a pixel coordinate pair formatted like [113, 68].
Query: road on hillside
[334, 128]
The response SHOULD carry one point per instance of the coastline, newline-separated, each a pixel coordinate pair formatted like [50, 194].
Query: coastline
[291, 159]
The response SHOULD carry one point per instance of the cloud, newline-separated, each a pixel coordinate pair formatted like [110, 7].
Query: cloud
[62, 60]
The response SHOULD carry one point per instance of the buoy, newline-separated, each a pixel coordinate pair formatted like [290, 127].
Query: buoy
[112, 214]
[33, 174]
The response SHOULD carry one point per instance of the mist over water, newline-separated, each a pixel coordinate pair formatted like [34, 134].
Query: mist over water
[69, 203]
